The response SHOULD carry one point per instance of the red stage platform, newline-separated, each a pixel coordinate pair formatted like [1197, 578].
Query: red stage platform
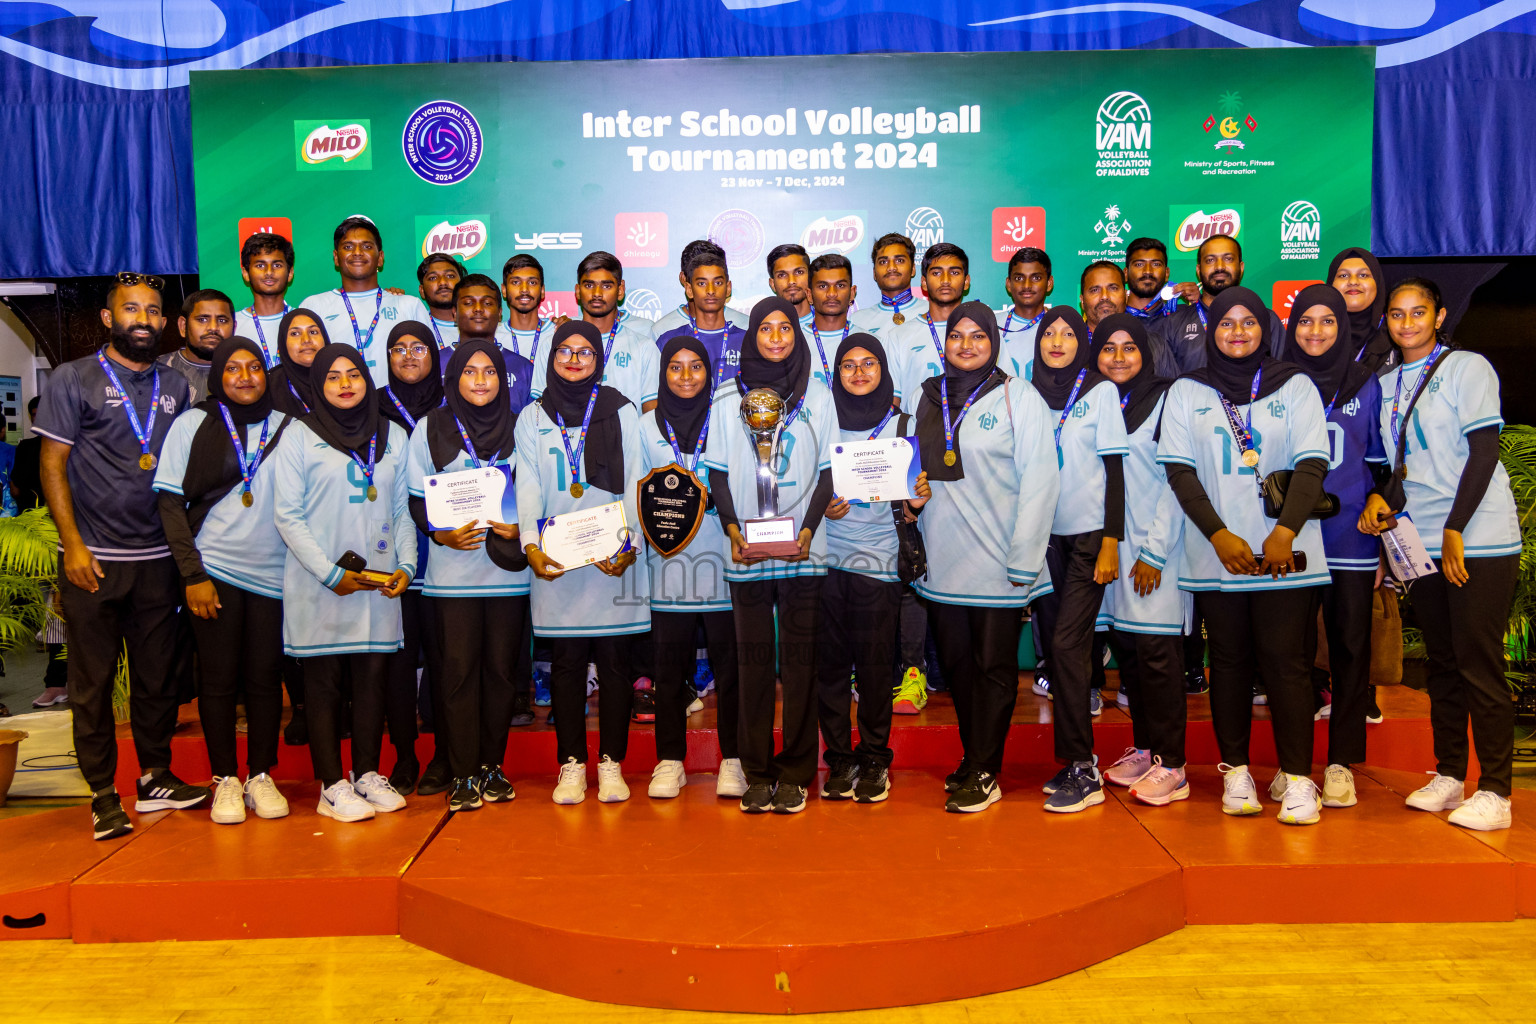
[690, 904]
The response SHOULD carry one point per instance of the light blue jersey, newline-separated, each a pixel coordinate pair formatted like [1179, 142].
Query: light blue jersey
[585, 601]
[1018, 336]
[371, 335]
[914, 356]
[878, 319]
[864, 541]
[1461, 397]
[986, 534]
[263, 330]
[525, 343]
[823, 346]
[322, 511]
[1154, 534]
[1092, 430]
[679, 318]
[631, 361]
[451, 573]
[1288, 426]
[239, 545]
[806, 451]
[693, 580]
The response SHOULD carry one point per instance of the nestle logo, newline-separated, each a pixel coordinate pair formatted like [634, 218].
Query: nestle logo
[321, 143]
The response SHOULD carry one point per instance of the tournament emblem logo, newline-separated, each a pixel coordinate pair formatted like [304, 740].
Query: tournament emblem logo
[323, 145]
[1301, 232]
[464, 239]
[840, 232]
[1123, 136]
[1198, 225]
[740, 234]
[1230, 106]
[442, 142]
[926, 228]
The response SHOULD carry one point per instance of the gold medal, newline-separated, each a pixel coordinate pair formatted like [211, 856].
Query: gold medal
[949, 458]
[247, 500]
[146, 461]
[373, 493]
[1251, 457]
[898, 319]
[577, 490]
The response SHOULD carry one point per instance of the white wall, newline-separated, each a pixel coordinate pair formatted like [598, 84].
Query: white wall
[19, 358]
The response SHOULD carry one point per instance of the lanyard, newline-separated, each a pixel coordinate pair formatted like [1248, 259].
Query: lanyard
[439, 334]
[469, 449]
[950, 458]
[1397, 391]
[261, 335]
[1123, 402]
[1152, 309]
[1200, 312]
[409, 419]
[895, 302]
[1066, 410]
[725, 336]
[538, 330]
[1243, 431]
[373, 446]
[248, 464]
[574, 457]
[888, 414]
[298, 397]
[144, 431]
[825, 366]
[934, 334]
[1024, 326]
[698, 446]
[357, 335]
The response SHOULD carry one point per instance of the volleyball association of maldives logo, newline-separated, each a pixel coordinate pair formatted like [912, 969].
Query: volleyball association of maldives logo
[442, 142]
[1122, 135]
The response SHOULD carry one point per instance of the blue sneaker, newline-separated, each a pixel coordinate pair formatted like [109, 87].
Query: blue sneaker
[1095, 703]
[703, 677]
[1060, 778]
[1081, 789]
[541, 697]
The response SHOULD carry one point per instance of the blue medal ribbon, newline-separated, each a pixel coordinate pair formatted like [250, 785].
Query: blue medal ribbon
[1024, 325]
[1066, 410]
[144, 431]
[895, 302]
[469, 449]
[357, 334]
[573, 458]
[950, 428]
[261, 335]
[826, 368]
[1397, 391]
[373, 446]
[409, 419]
[698, 446]
[1242, 432]
[248, 464]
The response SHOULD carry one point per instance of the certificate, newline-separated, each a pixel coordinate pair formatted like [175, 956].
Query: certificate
[575, 539]
[470, 495]
[884, 469]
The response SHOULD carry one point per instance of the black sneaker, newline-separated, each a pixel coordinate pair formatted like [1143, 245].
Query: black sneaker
[1195, 682]
[1373, 715]
[1260, 698]
[840, 781]
[644, 706]
[465, 795]
[758, 799]
[979, 792]
[1082, 788]
[788, 798]
[108, 819]
[955, 779]
[404, 775]
[1056, 782]
[494, 786]
[874, 785]
[296, 732]
[438, 778]
[522, 719]
[165, 792]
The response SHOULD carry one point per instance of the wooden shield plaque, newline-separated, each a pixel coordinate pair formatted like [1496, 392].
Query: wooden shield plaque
[671, 503]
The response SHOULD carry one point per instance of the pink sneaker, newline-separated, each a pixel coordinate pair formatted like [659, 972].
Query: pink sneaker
[1133, 764]
[1161, 786]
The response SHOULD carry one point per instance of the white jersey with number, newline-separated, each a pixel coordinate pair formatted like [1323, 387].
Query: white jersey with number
[913, 357]
[877, 319]
[375, 319]
[263, 331]
[631, 361]
[824, 345]
[1018, 336]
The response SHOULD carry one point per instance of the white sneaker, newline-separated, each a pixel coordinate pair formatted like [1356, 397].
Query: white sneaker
[696, 706]
[1277, 786]
[611, 787]
[262, 796]
[343, 803]
[1443, 793]
[376, 789]
[1301, 804]
[1338, 786]
[1324, 713]
[732, 781]
[1485, 812]
[571, 786]
[228, 801]
[667, 780]
[1238, 793]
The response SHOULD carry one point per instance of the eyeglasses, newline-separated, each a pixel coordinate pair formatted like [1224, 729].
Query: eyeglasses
[419, 351]
[867, 365]
[129, 279]
[566, 354]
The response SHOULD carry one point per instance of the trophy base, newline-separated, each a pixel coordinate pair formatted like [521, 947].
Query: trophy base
[771, 538]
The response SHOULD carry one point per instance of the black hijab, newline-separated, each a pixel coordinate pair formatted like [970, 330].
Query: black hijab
[1055, 385]
[789, 377]
[685, 415]
[959, 385]
[213, 469]
[1140, 394]
[603, 459]
[862, 412]
[426, 394]
[1233, 378]
[1337, 373]
[347, 430]
[288, 383]
[1366, 330]
[489, 426]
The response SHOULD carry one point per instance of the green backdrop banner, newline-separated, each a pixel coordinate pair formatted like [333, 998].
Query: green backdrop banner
[1075, 153]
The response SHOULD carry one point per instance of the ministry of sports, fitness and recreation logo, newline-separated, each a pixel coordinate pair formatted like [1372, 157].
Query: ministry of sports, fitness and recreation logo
[462, 237]
[332, 145]
[1111, 227]
[1123, 136]
[442, 142]
[740, 234]
[926, 228]
[1190, 225]
[1301, 232]
[1231, 122]
[640, 239]
[840, 231]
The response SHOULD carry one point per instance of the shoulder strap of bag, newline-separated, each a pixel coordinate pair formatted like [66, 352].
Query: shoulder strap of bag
[1413, 400]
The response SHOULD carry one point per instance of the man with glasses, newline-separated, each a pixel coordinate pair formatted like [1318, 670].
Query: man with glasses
[103, 419]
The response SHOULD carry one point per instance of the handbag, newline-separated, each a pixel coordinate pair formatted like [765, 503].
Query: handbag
[911, 555]
[1273, 489]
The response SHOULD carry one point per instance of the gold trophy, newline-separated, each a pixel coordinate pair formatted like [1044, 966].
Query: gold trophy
[763, 412]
